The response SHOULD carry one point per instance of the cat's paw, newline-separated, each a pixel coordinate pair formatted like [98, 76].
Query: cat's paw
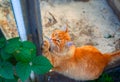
[45, 46]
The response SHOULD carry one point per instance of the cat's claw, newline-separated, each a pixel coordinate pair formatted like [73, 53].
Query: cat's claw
[45, 46]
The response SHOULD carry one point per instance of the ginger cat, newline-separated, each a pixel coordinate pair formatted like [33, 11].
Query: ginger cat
[79, 63]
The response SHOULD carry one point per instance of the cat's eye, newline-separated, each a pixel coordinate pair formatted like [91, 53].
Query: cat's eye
[55, 34]
[58, 40]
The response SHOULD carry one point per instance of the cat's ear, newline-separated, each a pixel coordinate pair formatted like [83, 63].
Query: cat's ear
[65, 28]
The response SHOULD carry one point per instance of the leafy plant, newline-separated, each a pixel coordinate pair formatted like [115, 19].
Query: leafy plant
[104, 78]
[18, 59]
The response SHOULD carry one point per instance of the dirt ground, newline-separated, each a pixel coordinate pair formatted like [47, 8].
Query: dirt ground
[7, 22]
[92, 23]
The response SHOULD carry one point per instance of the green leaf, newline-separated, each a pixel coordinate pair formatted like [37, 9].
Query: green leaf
[33, 53]
[23, 70]
[26, 52]
[28, 45]
[41, 65]
[6, 70]
[1, 80]
[12, 45]
[11, 80]
[2, 42]
[4, 55]
[7, 80]
[13, 40]
[103, 78]
[23, 55]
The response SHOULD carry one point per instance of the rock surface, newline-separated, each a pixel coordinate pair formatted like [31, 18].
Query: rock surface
[88, 22]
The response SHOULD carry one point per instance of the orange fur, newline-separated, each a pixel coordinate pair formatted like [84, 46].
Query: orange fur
[79, 63]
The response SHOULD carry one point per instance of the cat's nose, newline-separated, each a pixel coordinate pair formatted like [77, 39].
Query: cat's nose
[53, 39]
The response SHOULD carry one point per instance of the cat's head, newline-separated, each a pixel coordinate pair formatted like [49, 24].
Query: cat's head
[60, 38]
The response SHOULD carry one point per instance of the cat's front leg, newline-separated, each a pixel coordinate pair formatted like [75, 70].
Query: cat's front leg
[45, 47]
[45, 50]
